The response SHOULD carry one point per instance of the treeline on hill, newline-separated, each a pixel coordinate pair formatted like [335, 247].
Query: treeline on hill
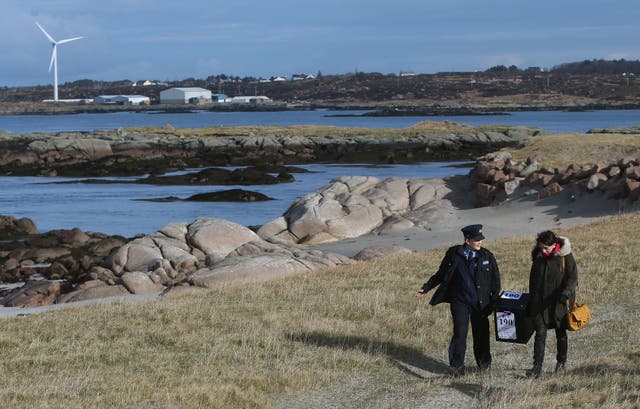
[621, 66]
[595, 78]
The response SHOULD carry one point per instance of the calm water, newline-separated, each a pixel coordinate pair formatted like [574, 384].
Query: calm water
[112, 208]
[556, 121]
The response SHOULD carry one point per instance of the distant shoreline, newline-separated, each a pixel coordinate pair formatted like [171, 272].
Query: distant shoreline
[379, 108]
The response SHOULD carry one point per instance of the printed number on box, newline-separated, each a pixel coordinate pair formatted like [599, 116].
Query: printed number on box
[511, 295]
[506, 322]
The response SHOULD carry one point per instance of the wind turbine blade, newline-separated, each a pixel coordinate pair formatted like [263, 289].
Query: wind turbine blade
[45, 33]
[54, 56]
[68, 40]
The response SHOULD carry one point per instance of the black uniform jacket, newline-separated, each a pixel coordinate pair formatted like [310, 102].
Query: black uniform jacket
[487, 278]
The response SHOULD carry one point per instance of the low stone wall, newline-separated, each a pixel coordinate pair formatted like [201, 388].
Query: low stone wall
[497, 177]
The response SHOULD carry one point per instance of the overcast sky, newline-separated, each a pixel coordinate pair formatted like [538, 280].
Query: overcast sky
[171, 40]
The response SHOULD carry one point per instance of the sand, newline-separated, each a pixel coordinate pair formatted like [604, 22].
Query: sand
[520, 217]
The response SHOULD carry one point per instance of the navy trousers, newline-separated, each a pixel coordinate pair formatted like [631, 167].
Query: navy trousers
[461, 315]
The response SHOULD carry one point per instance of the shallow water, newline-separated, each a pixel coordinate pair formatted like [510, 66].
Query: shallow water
[113, 208]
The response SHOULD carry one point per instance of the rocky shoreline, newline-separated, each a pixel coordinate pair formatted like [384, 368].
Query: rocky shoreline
[71, 265]
[129, 152]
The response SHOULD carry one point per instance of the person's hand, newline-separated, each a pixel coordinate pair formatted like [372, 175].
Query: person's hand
[421, 292]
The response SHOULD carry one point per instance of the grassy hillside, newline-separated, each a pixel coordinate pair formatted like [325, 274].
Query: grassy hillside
[560, 150]
[349, 337]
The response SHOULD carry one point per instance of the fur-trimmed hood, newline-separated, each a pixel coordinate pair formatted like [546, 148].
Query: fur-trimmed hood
[565, 248]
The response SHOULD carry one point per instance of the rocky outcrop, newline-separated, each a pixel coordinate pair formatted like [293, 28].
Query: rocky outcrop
[618, 129]
[33, 294]
[11, 228]
[183, 250]
[351, 206]
[497, 177]
[67, 255]
[134, 152]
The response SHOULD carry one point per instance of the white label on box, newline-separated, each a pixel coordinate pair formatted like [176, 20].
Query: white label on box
[511, 295]
[506, 323]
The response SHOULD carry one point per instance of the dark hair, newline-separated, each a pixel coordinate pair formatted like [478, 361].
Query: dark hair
[547, 238]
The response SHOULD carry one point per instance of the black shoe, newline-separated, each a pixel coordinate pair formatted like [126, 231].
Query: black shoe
[484, 367]
[535, 371]
[559, 367]
[455, 372]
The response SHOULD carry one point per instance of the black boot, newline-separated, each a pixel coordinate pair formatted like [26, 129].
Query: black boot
[535, 371]
[559, 367]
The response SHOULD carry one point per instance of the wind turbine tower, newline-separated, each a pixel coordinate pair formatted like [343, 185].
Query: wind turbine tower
[54, 58]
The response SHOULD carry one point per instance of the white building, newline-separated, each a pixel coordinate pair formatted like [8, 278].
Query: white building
[185, 95]
[122, 99]
[302, 76]
[249, 99]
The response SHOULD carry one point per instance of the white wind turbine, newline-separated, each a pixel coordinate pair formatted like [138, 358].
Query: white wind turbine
[54, 58]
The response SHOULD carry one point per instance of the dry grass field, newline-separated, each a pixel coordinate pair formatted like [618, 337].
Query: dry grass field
[425, 127]
[560, 150]
[353, 337]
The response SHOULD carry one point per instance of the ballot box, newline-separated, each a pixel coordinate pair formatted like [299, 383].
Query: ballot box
[512, 323]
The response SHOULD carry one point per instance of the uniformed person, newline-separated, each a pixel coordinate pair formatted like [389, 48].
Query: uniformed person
[469, 280]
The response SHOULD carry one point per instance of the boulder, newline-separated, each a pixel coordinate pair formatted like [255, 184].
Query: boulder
[177, 231]
[105, 246]
[273, 228]
[485, 194]
[74, 237]
[596, 181]
[138, 255]
[101, 291]
[11, 228]
[512, 185]
[33, 294]
[633, 186]
[551, 190]
[218, 237]
[249, 268]
[139, 283]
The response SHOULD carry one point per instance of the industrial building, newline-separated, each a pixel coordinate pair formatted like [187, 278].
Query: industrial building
[122, 100]
[185, 95]
[249, 99]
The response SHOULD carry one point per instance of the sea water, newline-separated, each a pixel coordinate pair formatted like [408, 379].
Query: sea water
[114, 208]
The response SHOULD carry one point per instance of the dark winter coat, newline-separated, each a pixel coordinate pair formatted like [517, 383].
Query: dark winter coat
[487, 278]
[548, 280]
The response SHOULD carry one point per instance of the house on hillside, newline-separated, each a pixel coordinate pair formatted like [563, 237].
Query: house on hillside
[185, 95]
[144, 83]
[121, 100]
[278, 79]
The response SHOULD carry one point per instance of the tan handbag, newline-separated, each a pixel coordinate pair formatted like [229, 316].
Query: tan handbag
[578, 315]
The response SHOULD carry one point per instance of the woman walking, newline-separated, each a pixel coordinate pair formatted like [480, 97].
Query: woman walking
[552, 282]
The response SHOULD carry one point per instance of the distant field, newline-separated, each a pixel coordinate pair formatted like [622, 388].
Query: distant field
[349, 337]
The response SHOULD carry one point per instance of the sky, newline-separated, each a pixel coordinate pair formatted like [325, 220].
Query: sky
[173, 40]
